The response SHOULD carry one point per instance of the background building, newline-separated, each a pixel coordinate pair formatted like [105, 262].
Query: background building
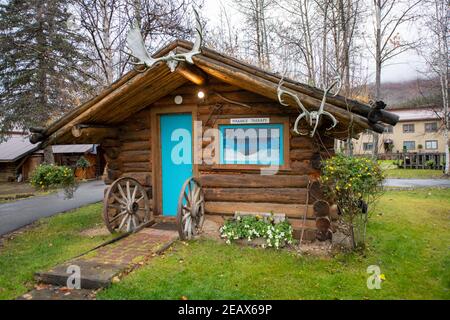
[419, 130]
[18, 158]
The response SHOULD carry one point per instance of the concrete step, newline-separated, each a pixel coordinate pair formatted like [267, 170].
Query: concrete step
[93, 275]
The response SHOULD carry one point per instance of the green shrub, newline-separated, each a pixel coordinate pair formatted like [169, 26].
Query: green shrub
[277, 235]
[83, 163]
[351, 182]
[429, 163]
[48, 176]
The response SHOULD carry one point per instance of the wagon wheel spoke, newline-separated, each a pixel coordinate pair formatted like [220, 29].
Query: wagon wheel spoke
[133, 197]
[128, 191]
[186, 197]
[118, 216]
[115, 206]
[118, 199]
[123, 222]
[121, 191]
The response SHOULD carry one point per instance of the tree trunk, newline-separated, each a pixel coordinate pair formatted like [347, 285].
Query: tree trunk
[49, 158]
[378, 68]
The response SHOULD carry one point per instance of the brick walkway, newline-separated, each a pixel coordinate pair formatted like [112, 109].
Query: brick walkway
[99, 267]
[133, 248]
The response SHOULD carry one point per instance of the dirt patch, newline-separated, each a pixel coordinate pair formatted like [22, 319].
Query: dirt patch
[95, 232]
[211, 229]
[315, 248]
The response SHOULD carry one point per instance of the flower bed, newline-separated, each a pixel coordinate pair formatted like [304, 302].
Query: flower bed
[257, 231]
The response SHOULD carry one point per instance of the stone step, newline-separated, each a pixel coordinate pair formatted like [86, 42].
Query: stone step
[57, 293]
[93, 275]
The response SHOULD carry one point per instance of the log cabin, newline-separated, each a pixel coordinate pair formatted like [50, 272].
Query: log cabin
[141, 118]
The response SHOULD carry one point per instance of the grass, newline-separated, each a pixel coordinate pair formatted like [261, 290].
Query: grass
[414, 173]
[13, 188]
[52, 241]
[409, 237]
[392, 171]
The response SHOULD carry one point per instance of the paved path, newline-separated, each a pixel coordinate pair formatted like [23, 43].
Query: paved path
[17, 214]
[105, 265]
[415, 183]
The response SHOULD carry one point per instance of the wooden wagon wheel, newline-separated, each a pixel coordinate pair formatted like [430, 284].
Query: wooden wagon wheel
[191, 209]
[126, 206]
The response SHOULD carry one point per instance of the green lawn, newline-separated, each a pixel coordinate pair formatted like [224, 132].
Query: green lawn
[409, 239]
[392, 171]
[51, 241]
[414, 173]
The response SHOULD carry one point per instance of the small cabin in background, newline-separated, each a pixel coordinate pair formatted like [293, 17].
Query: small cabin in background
[162, 127]
[19, 157]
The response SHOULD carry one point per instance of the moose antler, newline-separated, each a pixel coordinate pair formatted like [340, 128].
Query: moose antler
[136, 45]
[304, 114]
[313, 117]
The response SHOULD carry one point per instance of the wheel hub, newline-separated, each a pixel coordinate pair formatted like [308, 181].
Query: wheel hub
[133, 208]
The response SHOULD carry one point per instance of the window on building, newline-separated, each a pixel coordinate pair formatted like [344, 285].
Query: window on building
[367, 146]
[251, 144]
[431, 127]
[431, 144]
[389, 129]
[408, 128]
[409, 145]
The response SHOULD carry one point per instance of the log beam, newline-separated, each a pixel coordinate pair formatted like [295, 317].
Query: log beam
[93, 133]
[192, 74]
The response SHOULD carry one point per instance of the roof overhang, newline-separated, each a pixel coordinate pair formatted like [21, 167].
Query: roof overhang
[137, 90]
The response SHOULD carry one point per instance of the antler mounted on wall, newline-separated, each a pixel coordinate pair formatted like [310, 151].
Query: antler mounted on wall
[304, 114]
[313, 117]
[136, 44]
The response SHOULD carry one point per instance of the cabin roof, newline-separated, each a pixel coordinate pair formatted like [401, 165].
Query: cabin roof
[418, 114]
[15, 147]
[137, 90]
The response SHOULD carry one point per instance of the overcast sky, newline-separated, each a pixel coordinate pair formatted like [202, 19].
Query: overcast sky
[401, 68]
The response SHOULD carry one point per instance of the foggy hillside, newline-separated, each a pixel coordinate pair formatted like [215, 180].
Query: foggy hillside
[408, 94]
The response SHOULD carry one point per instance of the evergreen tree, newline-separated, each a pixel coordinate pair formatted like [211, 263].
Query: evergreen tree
[41, 65]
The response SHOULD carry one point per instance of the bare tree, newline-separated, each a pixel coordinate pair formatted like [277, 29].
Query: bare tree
[255, 13]
[299, 34]
[106, 22]
[389, 17]
[223, 36]
[436, 54]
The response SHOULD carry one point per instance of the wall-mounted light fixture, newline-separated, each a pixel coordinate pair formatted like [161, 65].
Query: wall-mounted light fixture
[201, 94]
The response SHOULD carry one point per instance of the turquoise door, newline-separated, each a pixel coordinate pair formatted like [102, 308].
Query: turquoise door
[176, 158]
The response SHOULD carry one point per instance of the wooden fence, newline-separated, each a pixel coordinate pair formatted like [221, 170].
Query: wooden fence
[419, 160]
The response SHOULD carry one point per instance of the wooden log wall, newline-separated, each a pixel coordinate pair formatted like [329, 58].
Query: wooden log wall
[130, 154]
